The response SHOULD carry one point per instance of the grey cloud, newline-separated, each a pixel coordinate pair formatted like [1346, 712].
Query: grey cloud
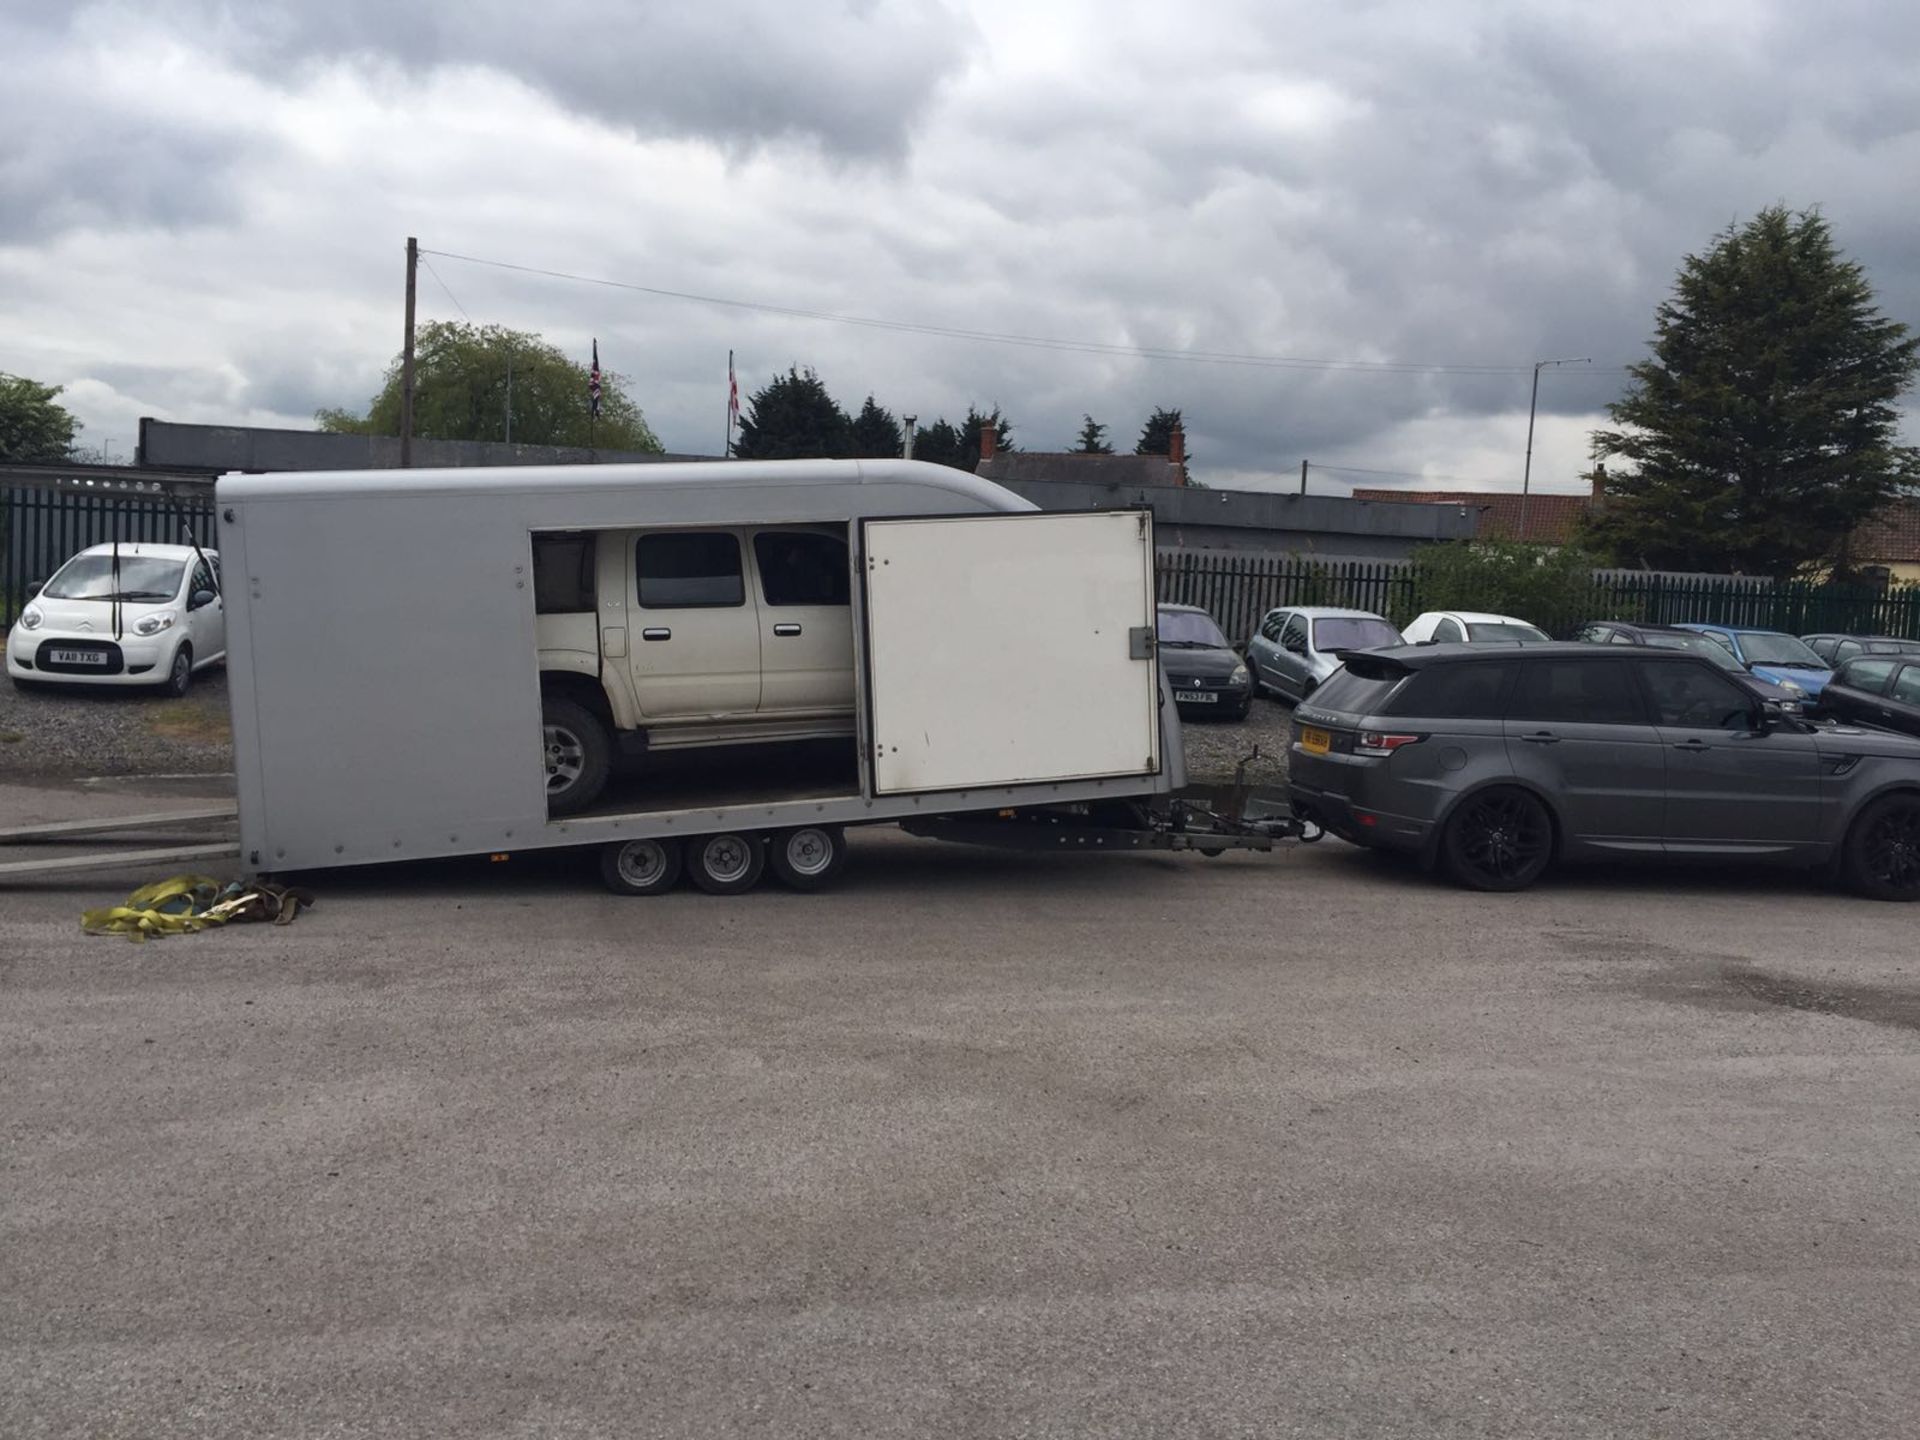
[71, 160]
[852, 75]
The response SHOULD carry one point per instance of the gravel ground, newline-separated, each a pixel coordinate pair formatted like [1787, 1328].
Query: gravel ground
[66, 734]
[74, 732]
[1215, 747]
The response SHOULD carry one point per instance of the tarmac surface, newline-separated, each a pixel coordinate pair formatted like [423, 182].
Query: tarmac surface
[977, 1145]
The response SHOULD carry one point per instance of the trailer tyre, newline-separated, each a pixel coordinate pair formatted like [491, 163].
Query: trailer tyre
[641, 867]
[809, 858]
[729, 863]
[577, 754]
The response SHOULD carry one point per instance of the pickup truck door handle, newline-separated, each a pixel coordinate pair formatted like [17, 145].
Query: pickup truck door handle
[656, 632]
[1541, 737]
[1694, 745]
[788, 629]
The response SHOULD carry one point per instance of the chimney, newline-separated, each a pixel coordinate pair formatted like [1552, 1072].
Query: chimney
[989, 438]
[1599, 478]
[1177, 454]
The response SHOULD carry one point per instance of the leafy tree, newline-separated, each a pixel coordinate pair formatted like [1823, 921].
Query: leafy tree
[33, 425]
[1762, 430]
[940, 444]
[460, 393]
[1553, 588]
[1156, 436]
[1093, 439]
[793, 417]
[969, 458]
[876, 434]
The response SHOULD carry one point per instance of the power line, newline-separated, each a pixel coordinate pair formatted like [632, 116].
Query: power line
[446, 287]
[1033, 342]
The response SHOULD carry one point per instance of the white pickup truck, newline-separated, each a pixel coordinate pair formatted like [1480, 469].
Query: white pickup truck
[672, 639]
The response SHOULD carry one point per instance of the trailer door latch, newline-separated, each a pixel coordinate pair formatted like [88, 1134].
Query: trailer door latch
[1141, 642]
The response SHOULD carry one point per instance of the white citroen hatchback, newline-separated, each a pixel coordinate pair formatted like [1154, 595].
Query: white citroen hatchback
[132, 614]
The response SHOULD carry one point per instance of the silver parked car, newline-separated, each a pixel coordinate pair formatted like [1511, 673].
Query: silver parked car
[1294, 650]
[1496, 764]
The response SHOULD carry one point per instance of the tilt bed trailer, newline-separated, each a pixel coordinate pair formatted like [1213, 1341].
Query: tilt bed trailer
[421, 661]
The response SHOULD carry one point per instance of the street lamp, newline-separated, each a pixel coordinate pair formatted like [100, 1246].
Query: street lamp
[1526, 475]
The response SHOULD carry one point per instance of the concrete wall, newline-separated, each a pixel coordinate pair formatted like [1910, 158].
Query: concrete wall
[1324, 526]
[243, 447]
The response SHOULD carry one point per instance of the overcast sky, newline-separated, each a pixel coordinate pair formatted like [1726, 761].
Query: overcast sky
[203, 206]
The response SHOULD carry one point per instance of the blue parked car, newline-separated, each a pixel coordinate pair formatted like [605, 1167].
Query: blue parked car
[1772, 655]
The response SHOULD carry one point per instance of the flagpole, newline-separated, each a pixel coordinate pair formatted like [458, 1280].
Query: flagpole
[726, 446]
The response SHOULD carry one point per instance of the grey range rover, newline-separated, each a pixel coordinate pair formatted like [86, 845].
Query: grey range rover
[1495, 766]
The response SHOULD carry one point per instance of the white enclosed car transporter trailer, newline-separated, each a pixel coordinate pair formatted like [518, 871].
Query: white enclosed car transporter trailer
[386, 677]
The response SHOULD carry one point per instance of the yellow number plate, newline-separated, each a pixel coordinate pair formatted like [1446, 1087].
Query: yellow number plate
[1315, 742]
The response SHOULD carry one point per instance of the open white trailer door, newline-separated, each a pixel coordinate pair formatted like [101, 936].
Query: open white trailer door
[1010, 649]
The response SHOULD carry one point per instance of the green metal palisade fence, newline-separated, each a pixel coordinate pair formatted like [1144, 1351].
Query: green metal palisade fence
[42, 527]
[1239, 588]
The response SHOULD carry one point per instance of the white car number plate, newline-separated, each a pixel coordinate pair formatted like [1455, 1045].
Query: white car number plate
[78, 657]
[1196, 697]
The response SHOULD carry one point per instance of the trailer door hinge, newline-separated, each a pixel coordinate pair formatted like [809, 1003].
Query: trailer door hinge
[1141, 642]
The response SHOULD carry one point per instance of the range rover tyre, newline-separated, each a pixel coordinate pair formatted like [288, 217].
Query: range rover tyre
[730, 863]
[577, 753]
[1497, 839]
[180, 673]
[641, 867]
[1881, 858]
[808, 858]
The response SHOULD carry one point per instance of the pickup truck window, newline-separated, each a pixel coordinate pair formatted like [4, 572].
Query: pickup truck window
[689, 570]
[798, 567]
[562, 574]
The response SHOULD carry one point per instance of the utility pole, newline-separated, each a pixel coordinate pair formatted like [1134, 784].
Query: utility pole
[1526, 475]
[406, 359]
[906, 451]
[509, 393]
[1303, 477]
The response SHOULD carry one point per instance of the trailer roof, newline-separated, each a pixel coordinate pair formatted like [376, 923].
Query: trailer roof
[970, 492]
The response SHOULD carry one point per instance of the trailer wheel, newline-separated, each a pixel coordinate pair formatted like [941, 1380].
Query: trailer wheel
[730, 863]
[808, 858]
[641, 867]
[576, 753]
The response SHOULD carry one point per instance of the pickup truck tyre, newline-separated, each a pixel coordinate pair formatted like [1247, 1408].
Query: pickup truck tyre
[641, 867]
[809, 858]
[1881, 858]
[577, 753]
[729, 863]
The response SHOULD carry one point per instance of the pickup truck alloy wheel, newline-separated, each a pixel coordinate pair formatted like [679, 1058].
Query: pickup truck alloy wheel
[641, 867]
[576, 753]
[726, 864]
[1500, 839]
[808, 858]
[1882, 857]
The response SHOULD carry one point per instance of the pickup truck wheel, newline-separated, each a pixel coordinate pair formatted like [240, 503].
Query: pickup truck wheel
[641, 867]
[730, 863]
[1882, 855]
[577, 754]
[808, 858]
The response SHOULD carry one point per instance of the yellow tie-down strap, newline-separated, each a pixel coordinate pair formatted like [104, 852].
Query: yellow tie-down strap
[186, 903]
